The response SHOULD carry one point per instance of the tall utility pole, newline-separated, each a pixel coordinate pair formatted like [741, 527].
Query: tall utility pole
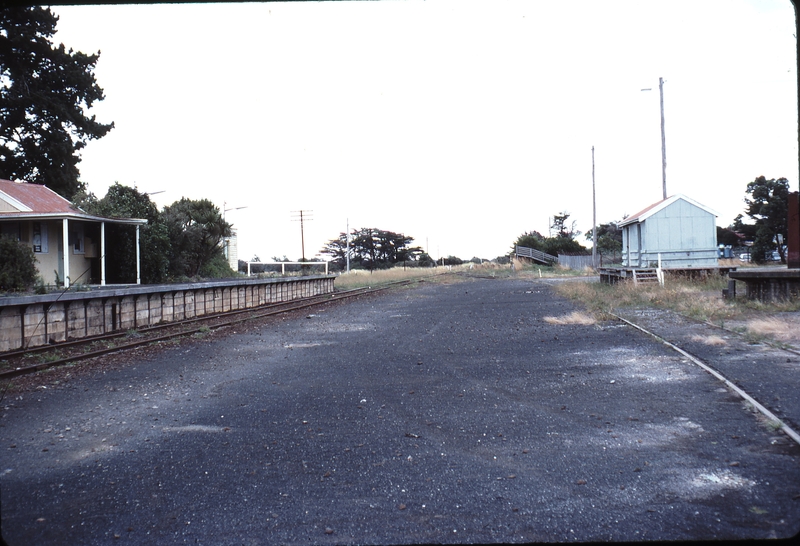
[594, 218]
[347, 252]
[663, 140]
[302, 216]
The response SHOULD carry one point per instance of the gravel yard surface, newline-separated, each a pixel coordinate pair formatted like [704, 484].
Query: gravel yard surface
[442, 413]
[767, 373]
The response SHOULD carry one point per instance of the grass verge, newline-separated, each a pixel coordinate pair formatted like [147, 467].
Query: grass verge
[359, 278]
[700, 299]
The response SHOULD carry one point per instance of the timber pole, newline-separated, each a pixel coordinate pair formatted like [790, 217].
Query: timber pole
[594, 217]
[663, 140]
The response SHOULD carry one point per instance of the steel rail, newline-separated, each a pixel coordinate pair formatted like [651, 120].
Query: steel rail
[201, 318]
[292, 306]
[735, 388]
[772, 344]
[121, 333]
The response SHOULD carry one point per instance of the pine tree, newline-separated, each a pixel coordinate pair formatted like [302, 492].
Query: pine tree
[44, 92]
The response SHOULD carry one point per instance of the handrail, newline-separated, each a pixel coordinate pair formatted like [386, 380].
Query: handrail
[534, 254]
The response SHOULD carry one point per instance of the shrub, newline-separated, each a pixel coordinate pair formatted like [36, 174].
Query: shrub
[217, 268]
[17, 265]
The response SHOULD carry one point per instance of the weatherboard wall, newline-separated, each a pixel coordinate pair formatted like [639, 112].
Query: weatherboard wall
[684, 234]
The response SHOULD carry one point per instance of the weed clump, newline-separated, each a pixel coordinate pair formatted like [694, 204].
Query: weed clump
[698, 298]
[576, 317]
[782, 329]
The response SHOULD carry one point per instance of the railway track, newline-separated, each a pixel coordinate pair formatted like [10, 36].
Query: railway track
[27, 361]
[763, 410]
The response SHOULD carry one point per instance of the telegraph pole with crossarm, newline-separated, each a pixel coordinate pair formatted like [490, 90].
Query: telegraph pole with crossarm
[302, 216]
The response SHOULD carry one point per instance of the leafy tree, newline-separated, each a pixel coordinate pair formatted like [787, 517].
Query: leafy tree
[337, 250]
[372, 248]
[768, 205]
[609, 239]
[196, 231]
[255, 269]
[727, 236]
[17, 265]
[529, 239]
[217, 267]
[747, 231]
[286, 268]
[565, 233]
[425, 260]
[44, 91]
[562, 243]
[453, 260]
[125, 202]
[562, 228]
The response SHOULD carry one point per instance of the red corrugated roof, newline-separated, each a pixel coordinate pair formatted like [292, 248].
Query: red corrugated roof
[636, 216]
[39, 199]
[35, 201]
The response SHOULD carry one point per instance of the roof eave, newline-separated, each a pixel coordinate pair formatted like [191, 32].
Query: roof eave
[69, 216]
[661, 205]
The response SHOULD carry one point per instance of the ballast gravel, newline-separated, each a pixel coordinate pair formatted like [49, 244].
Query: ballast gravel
[441, 413]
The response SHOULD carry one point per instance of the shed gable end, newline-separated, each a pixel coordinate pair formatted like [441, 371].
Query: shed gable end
[680, 226]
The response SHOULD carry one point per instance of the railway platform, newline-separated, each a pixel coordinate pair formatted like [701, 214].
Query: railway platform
[31, 321]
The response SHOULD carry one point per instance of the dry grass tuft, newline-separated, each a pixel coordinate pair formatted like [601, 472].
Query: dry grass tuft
[712, 340]
[358, 278]
[696, 298]
[735, 262]
[780, 329]
[701, 299]
[576, 317]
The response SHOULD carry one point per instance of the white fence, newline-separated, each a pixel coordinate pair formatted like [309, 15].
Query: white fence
[284, 264]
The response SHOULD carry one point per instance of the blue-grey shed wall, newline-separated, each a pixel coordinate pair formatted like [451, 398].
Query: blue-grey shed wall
[684, 234]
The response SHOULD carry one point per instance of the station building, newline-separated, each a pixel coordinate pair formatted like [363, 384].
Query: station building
[68, 243]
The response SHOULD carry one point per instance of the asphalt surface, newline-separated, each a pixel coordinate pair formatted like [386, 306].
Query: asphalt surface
[437, 414]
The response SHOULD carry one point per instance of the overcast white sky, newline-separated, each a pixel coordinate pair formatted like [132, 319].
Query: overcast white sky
[460, 123]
